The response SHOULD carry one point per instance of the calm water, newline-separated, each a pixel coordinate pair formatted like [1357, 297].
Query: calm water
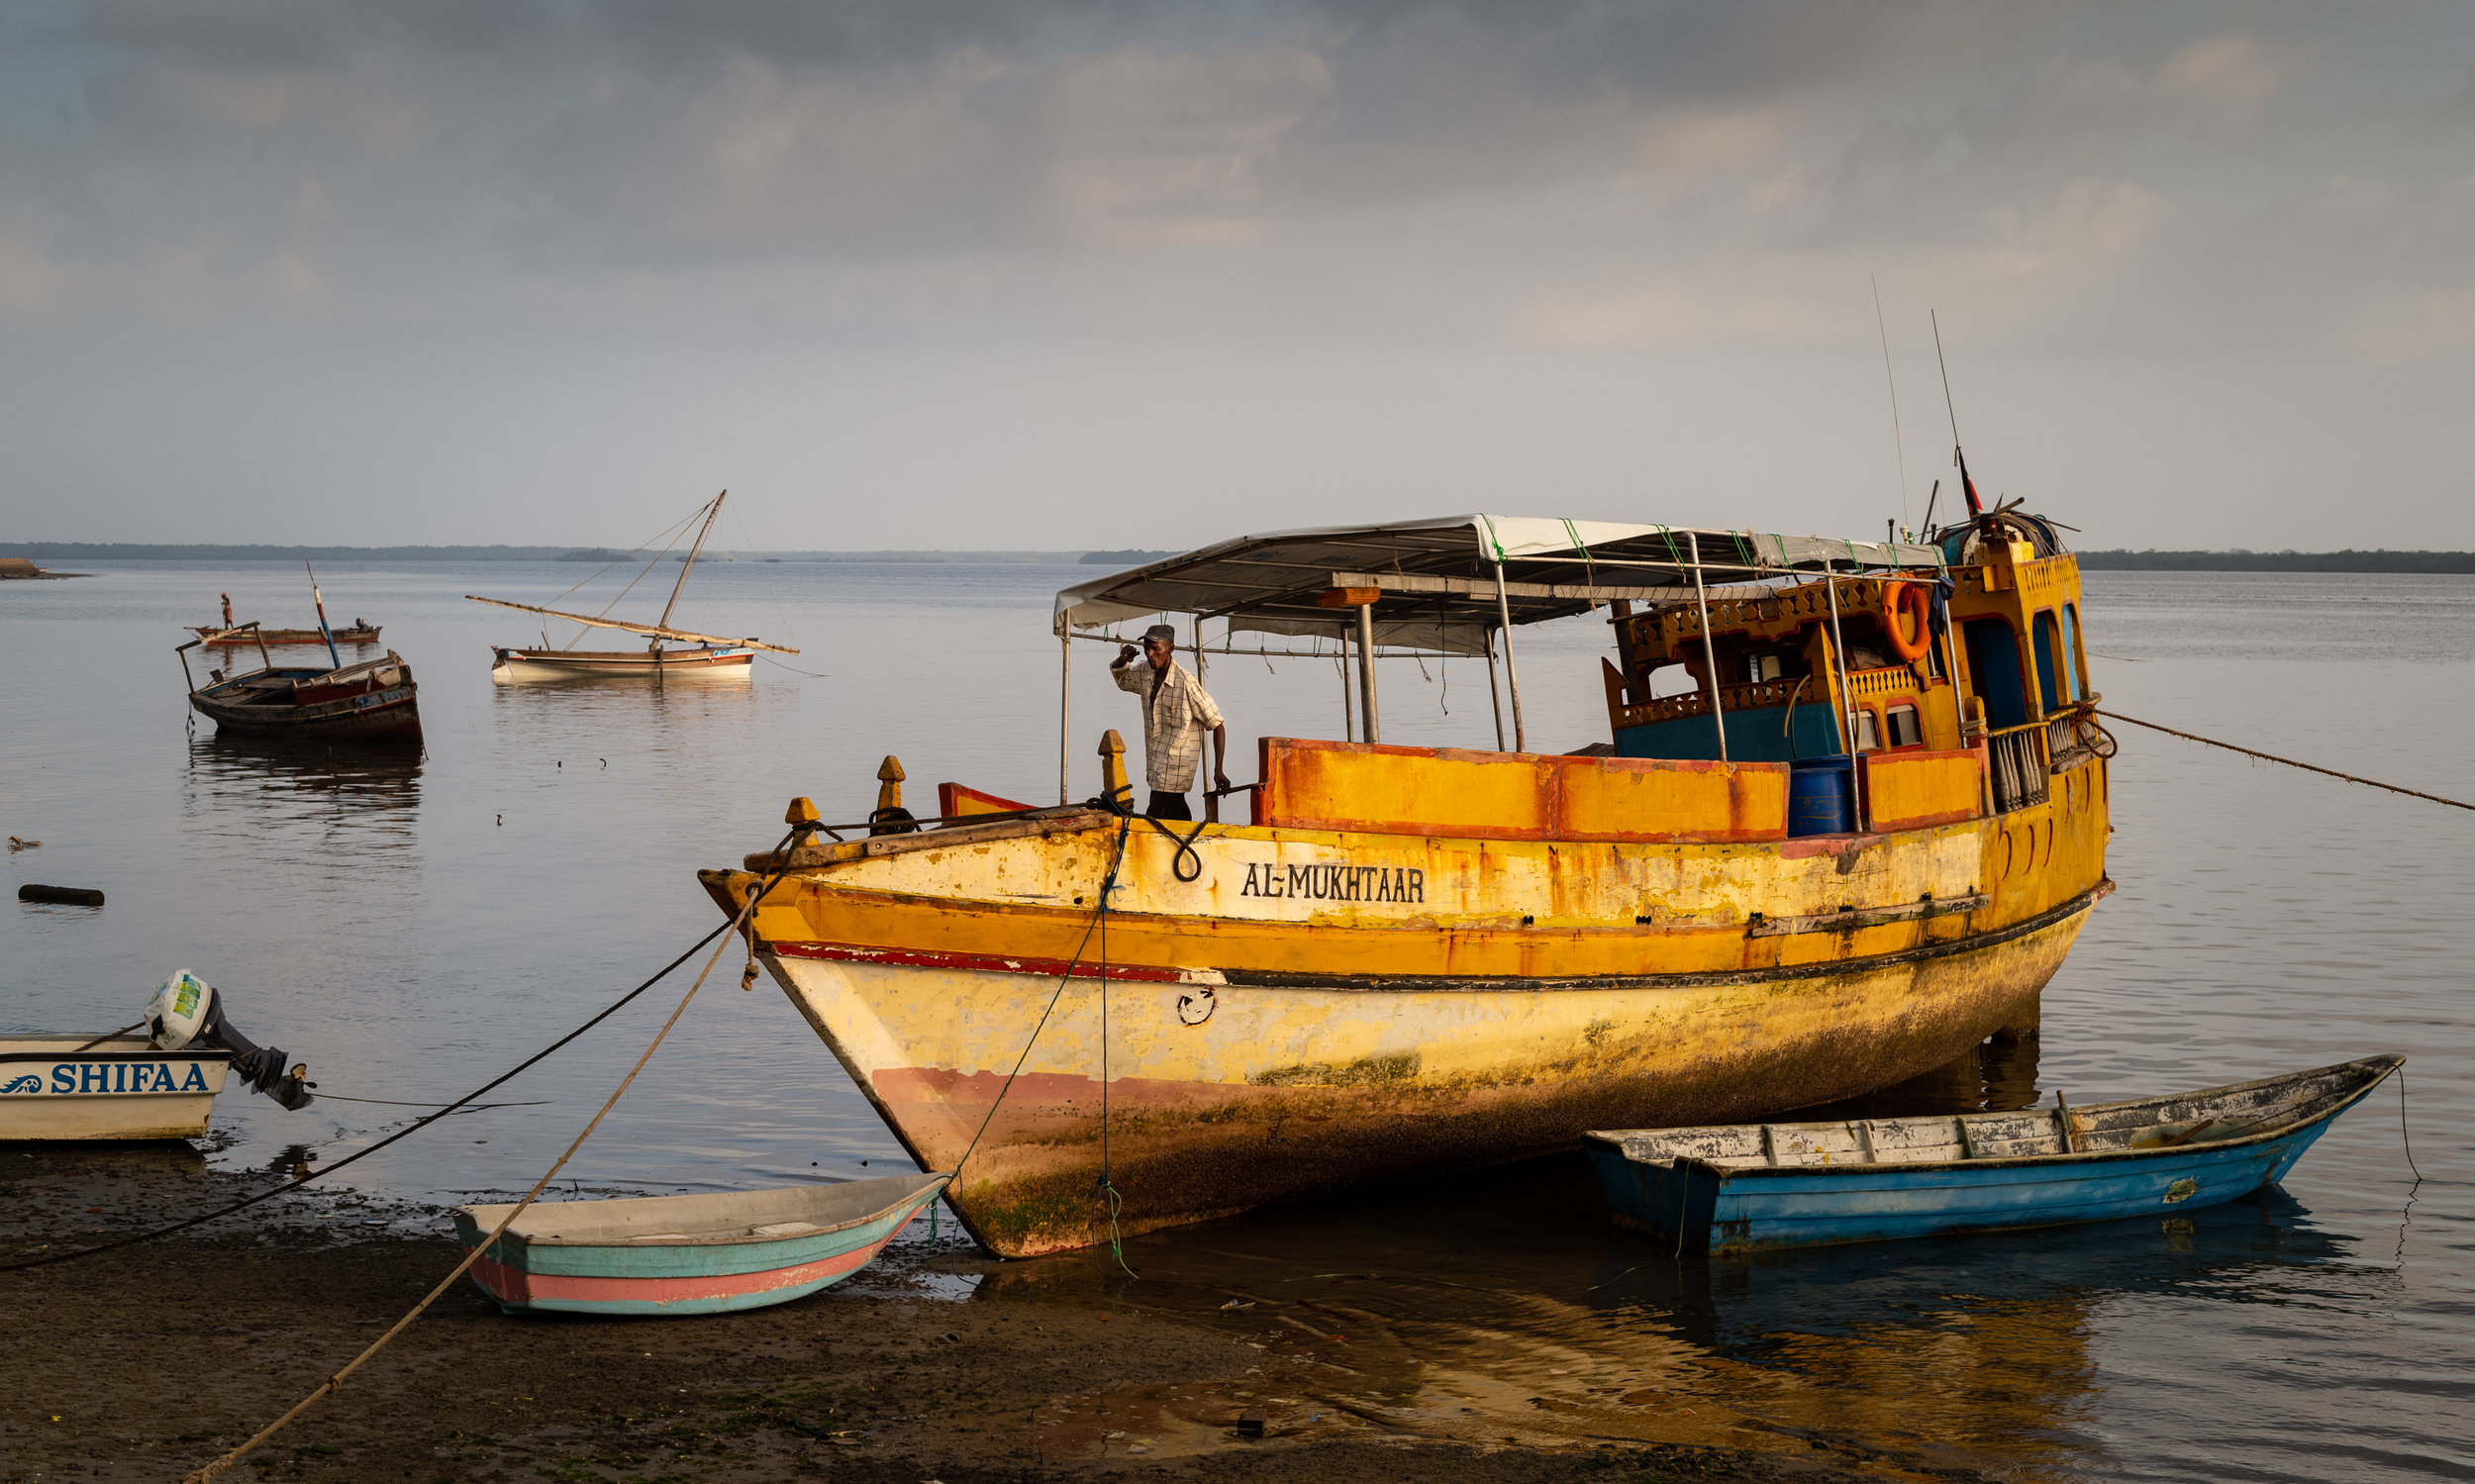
[412, 927]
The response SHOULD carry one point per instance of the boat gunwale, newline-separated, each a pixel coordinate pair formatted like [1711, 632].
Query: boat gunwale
[75, 1055]
[2388, 1062]
[1459, 984]
[933, 1186]
[1075, 819]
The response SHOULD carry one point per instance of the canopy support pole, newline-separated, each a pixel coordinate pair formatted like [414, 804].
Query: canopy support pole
[1349, 712]
[1065, 698]
[1710, 655]
[1367, 671]
[1512, 671]
[1847, 697]
[1494, 699]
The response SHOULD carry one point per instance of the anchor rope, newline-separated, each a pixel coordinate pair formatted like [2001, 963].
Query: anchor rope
[2401, 1125]
[1065, 977]
[747, 913]
[2308, 767]
[404, 1133]
[337, 1097]
[1111, 1201]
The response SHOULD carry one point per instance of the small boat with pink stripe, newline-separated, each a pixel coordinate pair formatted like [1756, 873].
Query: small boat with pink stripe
[690, 1255]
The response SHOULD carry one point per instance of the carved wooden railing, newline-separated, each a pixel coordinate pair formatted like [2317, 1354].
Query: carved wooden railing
[2016, 766]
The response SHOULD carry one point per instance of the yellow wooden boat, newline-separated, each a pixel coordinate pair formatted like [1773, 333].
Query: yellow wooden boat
[1856, 840]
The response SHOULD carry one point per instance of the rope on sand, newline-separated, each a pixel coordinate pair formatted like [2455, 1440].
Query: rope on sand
[336, 1381]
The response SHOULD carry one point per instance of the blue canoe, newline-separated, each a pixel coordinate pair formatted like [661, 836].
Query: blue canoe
[1753, 1187]
[690, 1255]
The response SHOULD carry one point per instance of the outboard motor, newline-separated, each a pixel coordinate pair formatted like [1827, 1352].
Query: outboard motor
[186, 1011]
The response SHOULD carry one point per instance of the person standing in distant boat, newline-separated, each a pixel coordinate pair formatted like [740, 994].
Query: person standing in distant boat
[1176, 715]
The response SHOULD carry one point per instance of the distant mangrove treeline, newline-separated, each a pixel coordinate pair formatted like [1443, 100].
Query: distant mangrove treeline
[41, 551]
[2277, 561]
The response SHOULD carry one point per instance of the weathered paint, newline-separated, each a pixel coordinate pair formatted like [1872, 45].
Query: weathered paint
[1909, 790]
[1223, 1097]
[1367, 787]
[1320, 1008]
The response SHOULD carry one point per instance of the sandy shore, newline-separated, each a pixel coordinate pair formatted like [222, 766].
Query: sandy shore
[145, 1364]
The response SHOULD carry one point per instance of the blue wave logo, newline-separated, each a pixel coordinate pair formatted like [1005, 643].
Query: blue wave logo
[28, 1083]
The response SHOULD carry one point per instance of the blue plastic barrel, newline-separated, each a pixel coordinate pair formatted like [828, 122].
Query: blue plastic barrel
[1822, 796]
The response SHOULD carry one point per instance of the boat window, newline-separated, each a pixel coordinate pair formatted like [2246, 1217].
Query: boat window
[2049, 644]
[1994, 668]
[1868, 740]
[1905, 733]
[2072, 668]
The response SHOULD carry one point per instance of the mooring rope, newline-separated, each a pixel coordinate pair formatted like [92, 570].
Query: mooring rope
[747, 913]
[405, 1131]
[2403, 1137]
[337, 1097]
[1111, 1201]
[2413, 793]
[1065, 977]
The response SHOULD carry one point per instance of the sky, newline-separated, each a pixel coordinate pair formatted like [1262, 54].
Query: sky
[1072, 274]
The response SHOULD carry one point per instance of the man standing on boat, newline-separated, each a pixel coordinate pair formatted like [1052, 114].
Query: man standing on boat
[1176, 715]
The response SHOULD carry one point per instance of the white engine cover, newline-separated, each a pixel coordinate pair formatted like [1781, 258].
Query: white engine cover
[179, 1007]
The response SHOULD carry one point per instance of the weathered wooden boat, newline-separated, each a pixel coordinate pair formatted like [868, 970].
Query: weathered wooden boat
[1858, 842]
[224, 637]
[232, 634]
[697, 655]
[1753, 1187]
[370, 700]
[689, 1255]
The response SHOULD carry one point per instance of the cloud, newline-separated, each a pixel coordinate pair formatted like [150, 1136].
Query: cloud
[1567, 173]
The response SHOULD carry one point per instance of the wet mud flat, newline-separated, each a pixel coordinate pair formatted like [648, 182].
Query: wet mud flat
[149, 1362]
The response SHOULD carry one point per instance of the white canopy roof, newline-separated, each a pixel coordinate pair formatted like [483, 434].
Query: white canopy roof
[1438, 576]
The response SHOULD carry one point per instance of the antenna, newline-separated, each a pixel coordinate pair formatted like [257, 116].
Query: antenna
[1945, 366]
[1959, 453]
[1898, 444]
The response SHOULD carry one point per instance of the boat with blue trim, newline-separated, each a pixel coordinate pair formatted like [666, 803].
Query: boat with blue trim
[1754, 1187]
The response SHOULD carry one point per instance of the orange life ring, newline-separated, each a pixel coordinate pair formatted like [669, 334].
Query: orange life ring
[1897, 595]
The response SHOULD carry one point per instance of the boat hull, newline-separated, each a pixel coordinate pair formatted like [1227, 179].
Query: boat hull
[1725, 1210]
[122, 1089]
[649, 1275]
[1239, 1111]
[283, 638]
[513, 666]
[390, 716]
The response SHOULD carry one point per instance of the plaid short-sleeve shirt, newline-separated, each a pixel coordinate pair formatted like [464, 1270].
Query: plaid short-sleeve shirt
[1177, 714]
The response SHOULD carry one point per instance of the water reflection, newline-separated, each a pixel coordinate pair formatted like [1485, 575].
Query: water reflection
[294, 1162]
[1504, 1305]
[1999, 1076]
[289, 798]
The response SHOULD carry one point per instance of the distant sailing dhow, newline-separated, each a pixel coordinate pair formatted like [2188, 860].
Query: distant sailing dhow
[696, 652]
